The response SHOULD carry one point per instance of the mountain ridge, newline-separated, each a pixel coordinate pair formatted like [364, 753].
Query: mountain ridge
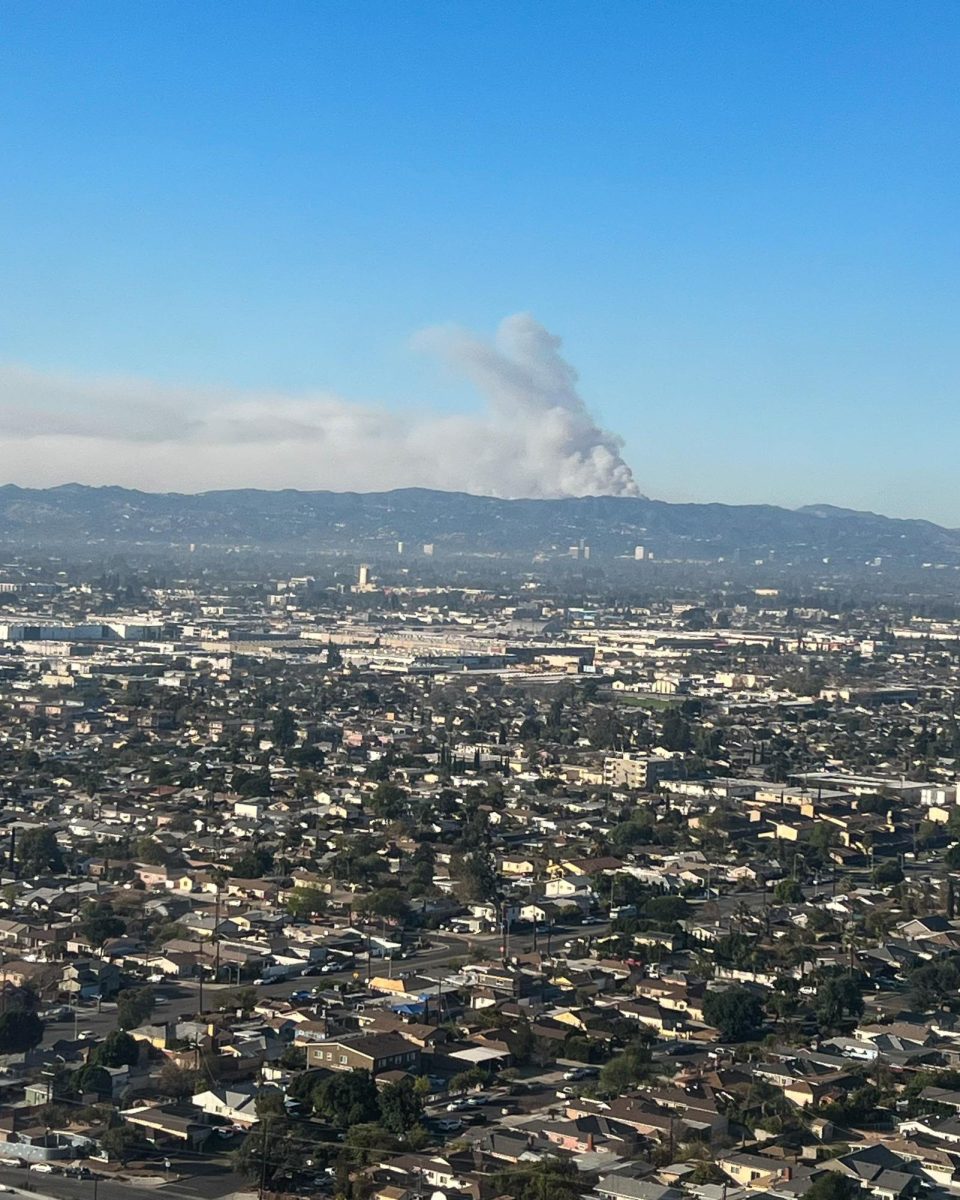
[462, 523]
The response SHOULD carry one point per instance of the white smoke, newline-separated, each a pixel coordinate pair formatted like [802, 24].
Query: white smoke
[534, 436]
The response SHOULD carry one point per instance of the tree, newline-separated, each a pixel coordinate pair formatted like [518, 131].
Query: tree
[474, 876]
[839, 996]
[118, 1049]
[665, 908]
[369, 1142]
[934, 984]
[736, 1012]
[675, 734]
[552, 1178]
[148, 850]
[99, 924]
[388, 800]
[243, 999]
[888, 873]
[401, 1107]
[38, 852]
[177, 1082]
[788, 891]
[121, 1141]
[832, 1186]
[347, 1098]
[707, 1172]
[284, 729]
[306, 902]
[133, 1008]
[387, 903]
[92, 1078]
[254, 863]
[626, 1070]
[19, 1031]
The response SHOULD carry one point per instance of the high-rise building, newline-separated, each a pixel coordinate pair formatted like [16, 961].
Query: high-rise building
[639, 553]
[428, 549]
[363, 576]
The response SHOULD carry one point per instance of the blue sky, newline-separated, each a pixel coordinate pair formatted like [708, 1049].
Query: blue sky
[741, 218]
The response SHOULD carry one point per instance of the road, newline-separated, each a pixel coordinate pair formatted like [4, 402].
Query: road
[208, 1181]
[180, 999]
[211, 1177]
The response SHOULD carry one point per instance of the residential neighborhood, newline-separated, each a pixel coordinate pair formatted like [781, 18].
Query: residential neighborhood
[318, 888]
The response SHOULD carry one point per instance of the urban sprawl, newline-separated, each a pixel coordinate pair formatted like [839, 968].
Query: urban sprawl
[346, 883]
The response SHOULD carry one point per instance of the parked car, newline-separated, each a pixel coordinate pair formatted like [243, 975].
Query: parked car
[580, 1073]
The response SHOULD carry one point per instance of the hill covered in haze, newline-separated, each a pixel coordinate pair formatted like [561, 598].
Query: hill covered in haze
[459, 523]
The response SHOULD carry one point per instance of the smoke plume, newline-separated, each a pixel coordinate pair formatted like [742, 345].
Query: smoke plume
[533, 436]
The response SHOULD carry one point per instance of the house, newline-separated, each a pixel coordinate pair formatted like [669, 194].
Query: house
[169, 1125]
[89, 978]
[236, 1104]
[373, 1052]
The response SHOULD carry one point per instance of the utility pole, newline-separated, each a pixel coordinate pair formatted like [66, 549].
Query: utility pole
[263, 1158]
[200, 998]
[216, 937]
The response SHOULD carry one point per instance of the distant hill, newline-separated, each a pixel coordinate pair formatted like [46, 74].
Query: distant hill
[456, 522]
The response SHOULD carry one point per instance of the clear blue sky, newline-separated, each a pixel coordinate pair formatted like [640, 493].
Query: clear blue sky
[742, 218]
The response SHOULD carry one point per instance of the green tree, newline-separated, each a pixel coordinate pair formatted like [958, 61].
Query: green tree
[888, 873]
[838, 997]
[284, 729]
[832, 1186]
[665, 908]
[133, 1008]
[388, 800]
[149, 851]
[736, 1012]
[254, 863]
[401, 1107]
[177, 1082]
[121, 1142]
[935, 984]
[38, 852]
[92, 1078]
[19, 1031]
[368, 1143]
[118, 1049]
[387, 903]
[306, 902]
[675, 734]
[788, 891]
[552, 1178]
[243, 999]
[347, 1098]
[100, 924]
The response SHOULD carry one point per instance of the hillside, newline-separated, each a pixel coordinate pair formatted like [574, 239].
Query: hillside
[460, 523]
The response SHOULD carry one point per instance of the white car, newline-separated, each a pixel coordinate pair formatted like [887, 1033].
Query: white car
[42, 1167]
